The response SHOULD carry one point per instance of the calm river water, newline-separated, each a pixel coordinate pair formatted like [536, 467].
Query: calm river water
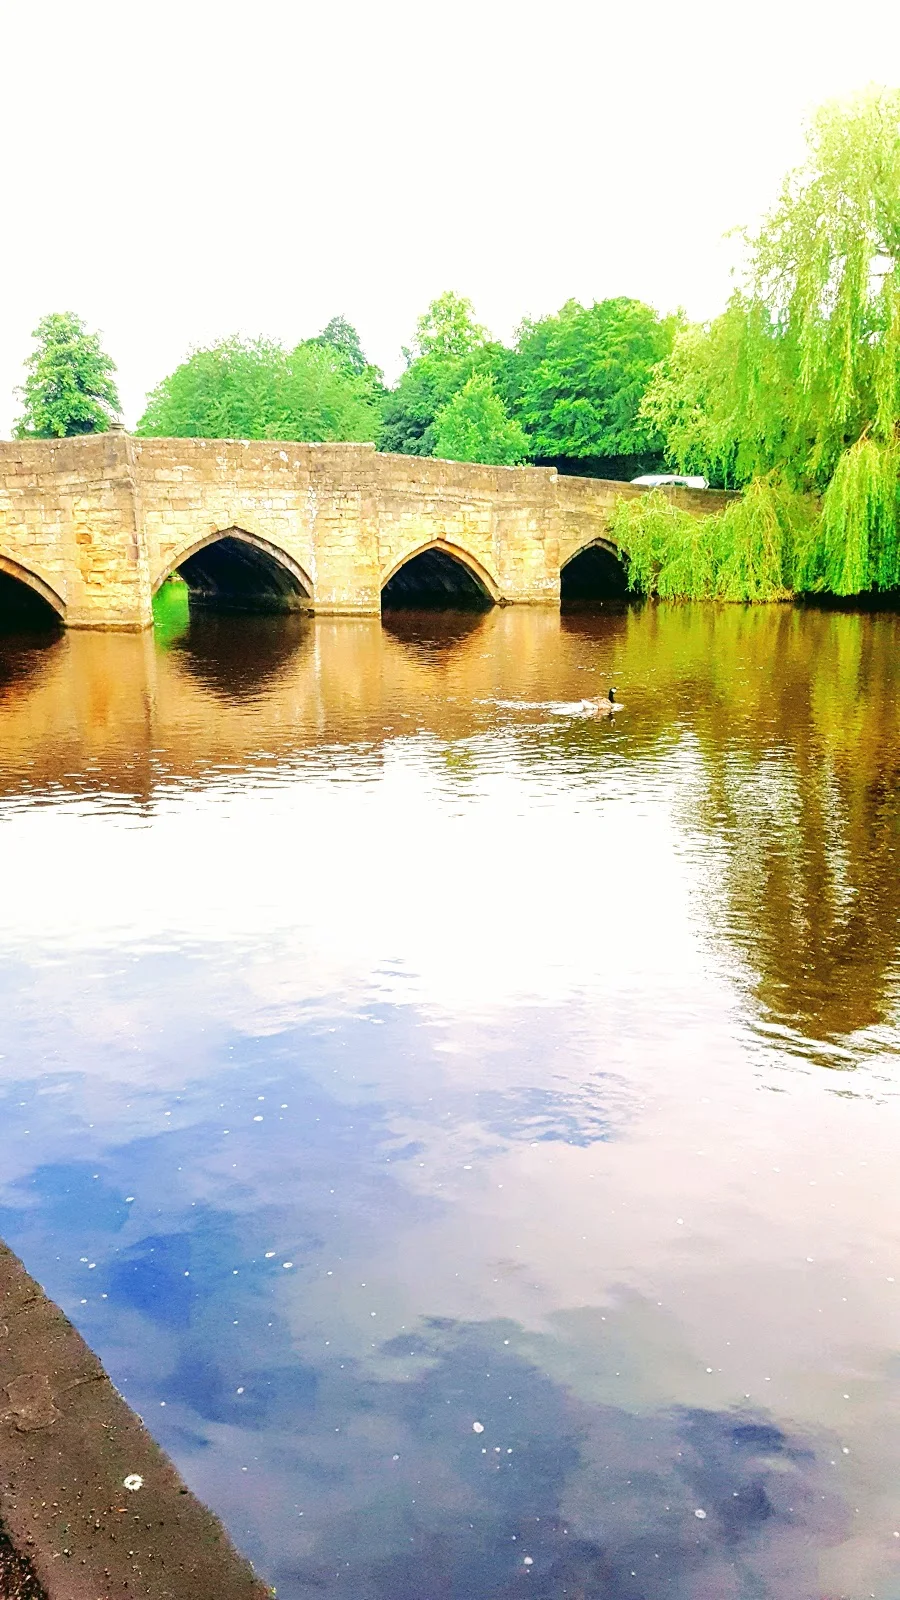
[466, 1130]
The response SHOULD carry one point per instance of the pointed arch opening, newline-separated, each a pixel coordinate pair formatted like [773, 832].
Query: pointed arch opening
[233, 570]
[438, 576]
[27, 603]
[595, 573]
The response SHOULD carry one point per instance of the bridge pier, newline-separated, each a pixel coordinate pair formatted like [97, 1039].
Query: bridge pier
[95, 524]
[70, 528]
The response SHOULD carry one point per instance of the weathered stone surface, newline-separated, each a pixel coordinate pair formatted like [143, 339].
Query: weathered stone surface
[29, 1402]
[96, 524]
[17, 1579]
[68, 1443]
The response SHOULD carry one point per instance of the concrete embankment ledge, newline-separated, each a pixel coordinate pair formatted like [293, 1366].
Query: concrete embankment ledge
[90, 1507]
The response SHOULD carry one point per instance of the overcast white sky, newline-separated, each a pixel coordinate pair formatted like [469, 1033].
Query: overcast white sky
[178, 171]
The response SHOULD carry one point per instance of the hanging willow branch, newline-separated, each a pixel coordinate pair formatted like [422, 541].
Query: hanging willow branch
[827, 265]
[749, 552]
[858, 549]
[798, 383]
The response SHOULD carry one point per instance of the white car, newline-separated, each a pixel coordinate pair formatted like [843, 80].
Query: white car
[661, 480]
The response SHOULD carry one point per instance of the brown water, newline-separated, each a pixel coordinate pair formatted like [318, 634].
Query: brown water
[466, 1129]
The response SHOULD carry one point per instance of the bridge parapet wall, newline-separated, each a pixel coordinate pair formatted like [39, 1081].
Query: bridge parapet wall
[97, 523]
[585, 506]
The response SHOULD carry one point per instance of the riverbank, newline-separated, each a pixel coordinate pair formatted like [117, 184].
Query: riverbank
[89, 1503]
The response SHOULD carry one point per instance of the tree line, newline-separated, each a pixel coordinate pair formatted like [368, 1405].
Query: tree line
[792, 395]
[570, 388]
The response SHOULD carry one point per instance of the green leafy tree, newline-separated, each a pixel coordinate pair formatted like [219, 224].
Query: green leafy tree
[409, 409]
[581, 375]
[255, 389]
[798, 384]
[724, 400]
[827, 265]
[748, 552]
[475, 426]
[69, 388]
[448, 328]
[449, 346]
[340, 336]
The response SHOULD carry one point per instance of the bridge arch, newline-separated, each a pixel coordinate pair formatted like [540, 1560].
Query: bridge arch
[438, 573]
[234, 570]
[33, 582]
[597, 570]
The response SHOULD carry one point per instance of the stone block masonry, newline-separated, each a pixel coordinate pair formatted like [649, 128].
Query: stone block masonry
[95, 524]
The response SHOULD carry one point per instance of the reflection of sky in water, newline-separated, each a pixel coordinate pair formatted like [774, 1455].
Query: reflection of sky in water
[242, 1288]
[405, 1144]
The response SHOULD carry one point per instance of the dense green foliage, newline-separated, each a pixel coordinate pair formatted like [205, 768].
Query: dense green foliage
[410, 409]
[240, 389]
[573, 381]
[827, 264]
[341, 337]
[449, 347]
[69, 388]
[448, 330]
[800, 377]
[475, 426]
[723, 401]
[754, 550]
[580, 377]
[858, 544]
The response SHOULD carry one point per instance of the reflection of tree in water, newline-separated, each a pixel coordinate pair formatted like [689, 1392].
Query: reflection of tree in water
[776, 728]
[795, 719]
[239, 657]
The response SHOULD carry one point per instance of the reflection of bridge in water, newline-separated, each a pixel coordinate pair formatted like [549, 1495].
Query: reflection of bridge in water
[120, 713]
[92, 527]
[802, 796]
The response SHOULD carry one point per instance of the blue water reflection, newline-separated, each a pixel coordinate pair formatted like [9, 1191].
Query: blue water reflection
[410, 1119]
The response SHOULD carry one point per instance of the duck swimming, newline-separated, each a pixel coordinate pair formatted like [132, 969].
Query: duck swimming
[604, 707]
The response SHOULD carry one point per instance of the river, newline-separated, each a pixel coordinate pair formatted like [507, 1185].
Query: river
[467, 1130]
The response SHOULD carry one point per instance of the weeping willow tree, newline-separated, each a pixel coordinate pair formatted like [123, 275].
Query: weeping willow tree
[750, 552]
[827, 266]
[857, 547]
[795, 391]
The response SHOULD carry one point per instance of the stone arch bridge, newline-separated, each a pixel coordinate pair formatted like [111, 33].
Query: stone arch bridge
[95, 525]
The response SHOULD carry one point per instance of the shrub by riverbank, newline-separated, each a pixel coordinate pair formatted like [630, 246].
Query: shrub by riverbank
[774, 542]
